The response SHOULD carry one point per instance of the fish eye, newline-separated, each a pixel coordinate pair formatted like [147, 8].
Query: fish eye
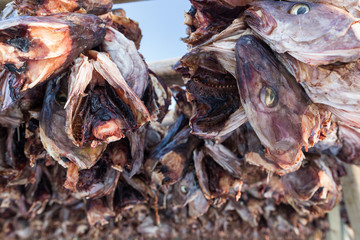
[299, 8]
[305, 164]
[61, 98]
[184, 189]
[269, 96]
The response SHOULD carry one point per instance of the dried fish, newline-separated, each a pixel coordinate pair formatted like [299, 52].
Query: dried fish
[276, 106]
[126, 57]
[321, 84]
[100, 106]
[35, 49]
[48, 7]
[206, 18]
[117, 19]
[315, 187]
[52, 129]
[297, 29]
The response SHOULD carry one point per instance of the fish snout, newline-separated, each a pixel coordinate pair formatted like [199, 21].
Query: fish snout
[258, 19]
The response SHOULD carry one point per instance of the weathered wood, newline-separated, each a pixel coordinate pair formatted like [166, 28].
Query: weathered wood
[335, 227]
[164, 70]
[351, 192]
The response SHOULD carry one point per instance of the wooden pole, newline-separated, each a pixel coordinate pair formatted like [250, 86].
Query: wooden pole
[335, 231]
[351, 195]
[164, 70]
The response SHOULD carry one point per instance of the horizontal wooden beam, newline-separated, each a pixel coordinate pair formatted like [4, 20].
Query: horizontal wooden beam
[164, 70]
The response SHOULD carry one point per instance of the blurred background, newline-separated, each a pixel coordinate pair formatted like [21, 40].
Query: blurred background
[162, 26]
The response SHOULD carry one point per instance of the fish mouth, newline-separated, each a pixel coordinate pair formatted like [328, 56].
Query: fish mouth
[257, 18]
[101, 116]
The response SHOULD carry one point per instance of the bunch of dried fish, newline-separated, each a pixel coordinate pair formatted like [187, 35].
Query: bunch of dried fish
[248, 152]
[290, 70]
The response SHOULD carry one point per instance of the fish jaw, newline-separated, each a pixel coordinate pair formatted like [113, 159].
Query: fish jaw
[260, 20]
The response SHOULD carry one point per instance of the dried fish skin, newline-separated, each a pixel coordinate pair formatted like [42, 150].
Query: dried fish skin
[212, 93]
[98, 211]
[276, 106]
[117, 19]
[157, 97]
[11, 117]
[98, 181]
[34, 49]
[185, 190]
[331, 38]
[130, 63]
[170, 159]
[48, 7]
[126, 197]
[314, 188]
[237, 167]
[52, 129]
[216, 183]
[349, 138]
[322, 83]
[209, 73]
[206, 18]
[214, 98]
[101, 107]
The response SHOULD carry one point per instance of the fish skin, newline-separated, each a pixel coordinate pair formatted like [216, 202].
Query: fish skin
[117, 19]
[107, 109]
[53, 135]
[283, 128]
[215, 182]
[322, 84]
[209, 17]
[128, 60]
[314, 188]
[34, 49]
[333, 37]
[47, 7]
[349, 138]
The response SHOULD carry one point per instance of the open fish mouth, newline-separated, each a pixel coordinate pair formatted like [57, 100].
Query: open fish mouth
[101, 107]
[260, 20]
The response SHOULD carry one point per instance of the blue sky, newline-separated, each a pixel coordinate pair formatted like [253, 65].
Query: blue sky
[162, 26]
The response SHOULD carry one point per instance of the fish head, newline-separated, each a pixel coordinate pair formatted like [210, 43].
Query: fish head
[296, 26]
[315, 187]
[273, 101]
[101, 106]
[186, 190]
[52, 129]
[35, 49]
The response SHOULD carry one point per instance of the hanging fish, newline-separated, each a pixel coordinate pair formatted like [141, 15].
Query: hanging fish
[34, 49]
[100, 106]
[276, 106]
[52, 129]
[48, 7]
[316, 34]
